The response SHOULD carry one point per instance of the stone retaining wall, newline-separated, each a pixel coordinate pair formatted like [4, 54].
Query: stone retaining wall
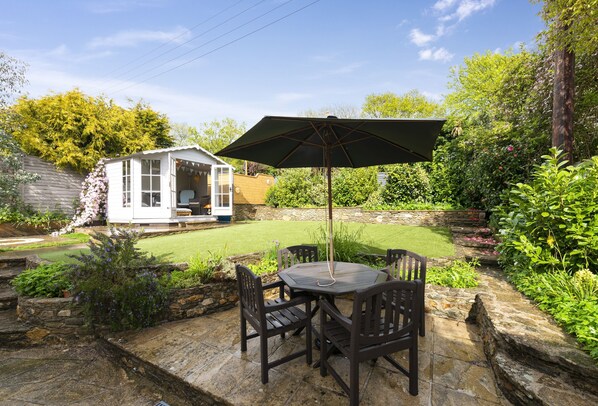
[54, 318]
[444, 218]
[200, 300]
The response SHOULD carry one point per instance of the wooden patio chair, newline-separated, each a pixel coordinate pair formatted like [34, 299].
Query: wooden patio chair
[292, 255]
[407, 266]
[271, 317]
[381, 329]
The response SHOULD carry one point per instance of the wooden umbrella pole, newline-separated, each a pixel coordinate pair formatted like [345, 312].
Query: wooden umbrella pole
[330, 230]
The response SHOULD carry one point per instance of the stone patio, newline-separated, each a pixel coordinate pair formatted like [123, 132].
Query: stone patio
[200, 360]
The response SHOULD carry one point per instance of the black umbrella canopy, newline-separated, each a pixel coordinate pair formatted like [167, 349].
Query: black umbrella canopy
[293, 142]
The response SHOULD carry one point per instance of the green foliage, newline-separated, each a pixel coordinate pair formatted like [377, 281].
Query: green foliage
[348, 243]
[300, 187]
[201, 270]
[579, 16]
[459, 274]
[12, 78]
[114, 284]
[405, 183]
[48, 280]
[549, 232]
[216, 135]
[268, 264]
[30, 217]
[571, 300]
[552, 222]
[412, 104]
[352, 187]
[76, 130]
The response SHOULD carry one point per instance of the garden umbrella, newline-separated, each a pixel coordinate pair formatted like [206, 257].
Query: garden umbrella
[293, 142]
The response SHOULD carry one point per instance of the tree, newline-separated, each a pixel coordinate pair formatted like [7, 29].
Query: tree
[412, 104]
[182, 133]
[12, 175]
[217, 134]
[571, 31]
[337, 110]
[76, 130]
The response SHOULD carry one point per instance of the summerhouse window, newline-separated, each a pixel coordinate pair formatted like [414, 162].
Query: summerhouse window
[127, 183]
[150, 182]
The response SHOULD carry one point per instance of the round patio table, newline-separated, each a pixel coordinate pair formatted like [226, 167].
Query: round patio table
[314, 277]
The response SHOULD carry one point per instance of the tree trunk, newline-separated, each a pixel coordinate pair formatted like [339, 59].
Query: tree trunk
[562, 102]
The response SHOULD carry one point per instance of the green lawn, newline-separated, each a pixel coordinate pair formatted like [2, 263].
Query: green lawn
[243, 238]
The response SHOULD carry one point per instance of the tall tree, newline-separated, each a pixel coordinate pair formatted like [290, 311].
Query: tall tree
[571, 31]
[76, 130]
[412, 104]
[217, 134]
[12, 175]
[182, 134]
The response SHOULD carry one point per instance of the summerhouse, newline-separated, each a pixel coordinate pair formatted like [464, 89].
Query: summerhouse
[172, 185]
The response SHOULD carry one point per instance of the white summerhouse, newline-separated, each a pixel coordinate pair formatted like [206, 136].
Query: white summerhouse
[172, 185]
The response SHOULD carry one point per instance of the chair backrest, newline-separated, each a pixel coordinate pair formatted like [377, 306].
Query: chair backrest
[389, 311]
[292, 255]
[251, 293]
[405, 265]
[186, 195]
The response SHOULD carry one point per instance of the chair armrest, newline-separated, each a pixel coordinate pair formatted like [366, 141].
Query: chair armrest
[287, 303]
[330, 310]
[276, 284]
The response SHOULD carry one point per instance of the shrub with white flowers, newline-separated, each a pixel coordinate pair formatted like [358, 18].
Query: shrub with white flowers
[92, 200]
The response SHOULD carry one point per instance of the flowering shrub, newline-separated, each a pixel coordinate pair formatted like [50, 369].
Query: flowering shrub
[114, 285]
[93, 198]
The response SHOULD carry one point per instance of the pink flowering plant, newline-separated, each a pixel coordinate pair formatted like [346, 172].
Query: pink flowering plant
[92, 200]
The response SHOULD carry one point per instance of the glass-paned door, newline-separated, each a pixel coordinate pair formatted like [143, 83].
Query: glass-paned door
[222, 190]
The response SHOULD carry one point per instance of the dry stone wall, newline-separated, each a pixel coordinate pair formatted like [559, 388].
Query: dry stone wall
[444, 218]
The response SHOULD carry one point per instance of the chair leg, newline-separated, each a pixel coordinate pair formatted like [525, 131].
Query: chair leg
[323, 349]
[313, 313]
[422, 325]
[354, 383]
[243, 333]
[264, 358]
[413, 369]
[308, 342]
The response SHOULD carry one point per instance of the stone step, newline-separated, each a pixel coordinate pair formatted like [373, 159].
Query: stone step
[476, 230]
[8, 298]
[518, 336]
[8, 274]
[13, 333]
[524, 385]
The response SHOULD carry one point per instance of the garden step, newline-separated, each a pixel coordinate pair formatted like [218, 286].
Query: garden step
[8, 298]
[513, 327]
[8, 274]
[12, 331]
[483, 231]
[524, 385]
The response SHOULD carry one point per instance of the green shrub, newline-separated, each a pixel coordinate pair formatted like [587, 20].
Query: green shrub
[300, 187]
[201, 270]
[552, 222]
[406, 183]
[30, 217]
[114, 284]
[352, 187]
[48, 280]
[459, 274]
[549, 243]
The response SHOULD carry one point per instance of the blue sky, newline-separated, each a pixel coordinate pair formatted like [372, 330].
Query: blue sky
[197, 61]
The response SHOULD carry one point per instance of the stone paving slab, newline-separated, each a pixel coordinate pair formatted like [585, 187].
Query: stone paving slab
[202, 356]
[80, 375]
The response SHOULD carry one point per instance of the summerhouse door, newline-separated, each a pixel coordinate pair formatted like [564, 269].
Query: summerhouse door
[222, 190]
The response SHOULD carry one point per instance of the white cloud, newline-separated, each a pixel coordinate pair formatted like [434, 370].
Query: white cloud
[132, 38]
[463, 9]
[442, 5]
[433, 54]
[419, 38]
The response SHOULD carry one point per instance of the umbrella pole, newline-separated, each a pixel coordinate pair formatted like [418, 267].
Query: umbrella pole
[330, 232]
